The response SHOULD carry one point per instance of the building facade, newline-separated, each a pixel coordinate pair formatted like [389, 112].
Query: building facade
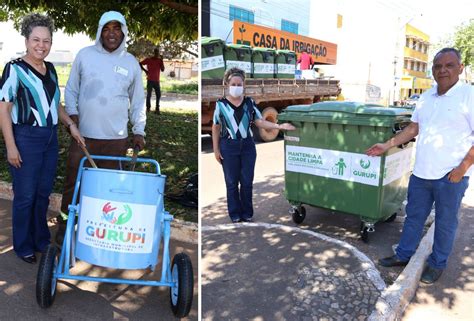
[414, 79]
[280, 15]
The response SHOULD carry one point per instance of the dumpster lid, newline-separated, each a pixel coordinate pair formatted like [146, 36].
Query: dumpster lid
[237, 46]
[285, 52]
[355, 113]
[209, 40]
[349, 107]
[264, 49]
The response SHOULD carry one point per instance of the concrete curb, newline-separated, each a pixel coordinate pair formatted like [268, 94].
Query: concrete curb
[180, 230]
[394, 299]
[367, 265]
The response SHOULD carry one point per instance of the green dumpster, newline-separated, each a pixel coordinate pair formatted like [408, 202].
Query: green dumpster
[212, 61]
[239, 56]
[285, 64]
[326, 165]
[263, 62]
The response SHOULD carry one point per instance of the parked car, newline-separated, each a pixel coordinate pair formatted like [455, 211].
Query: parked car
[411, 102]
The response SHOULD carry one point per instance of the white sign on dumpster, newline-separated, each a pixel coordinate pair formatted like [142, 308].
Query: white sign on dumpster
[346, 166]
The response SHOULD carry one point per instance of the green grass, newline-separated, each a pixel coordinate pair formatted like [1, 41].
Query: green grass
[168, 85]
[189, 87]
[172, 140]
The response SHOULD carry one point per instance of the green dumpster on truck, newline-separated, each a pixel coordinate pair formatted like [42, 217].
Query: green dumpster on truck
[239, 56]
[263, 62]
[212, 61]
[326, 165]
[285, 64]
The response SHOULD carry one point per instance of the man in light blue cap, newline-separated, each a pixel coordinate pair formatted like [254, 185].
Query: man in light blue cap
[103, 93]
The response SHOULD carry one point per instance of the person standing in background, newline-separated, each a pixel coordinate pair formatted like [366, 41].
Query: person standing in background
[154, 65]
[306, 60]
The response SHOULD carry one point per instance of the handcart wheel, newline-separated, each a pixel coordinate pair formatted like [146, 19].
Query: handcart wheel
[364, 233]
[45, 283]
[181, 295]
[299, 215]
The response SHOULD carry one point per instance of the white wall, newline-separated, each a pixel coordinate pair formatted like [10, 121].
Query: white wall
[266, 12]
[366, 44]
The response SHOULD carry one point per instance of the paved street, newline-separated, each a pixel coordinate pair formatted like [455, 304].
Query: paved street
[233, 258]
[79, 300]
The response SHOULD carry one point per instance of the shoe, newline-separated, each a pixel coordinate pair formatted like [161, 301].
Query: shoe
[236, 220]
[392, 261]
[430, 275]
[31, 259]
[247, 220]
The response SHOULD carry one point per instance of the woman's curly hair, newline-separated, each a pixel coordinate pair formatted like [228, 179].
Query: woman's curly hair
[233, 72]
[36, 20]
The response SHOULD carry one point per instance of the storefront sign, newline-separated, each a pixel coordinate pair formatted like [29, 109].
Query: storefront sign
[258, 36]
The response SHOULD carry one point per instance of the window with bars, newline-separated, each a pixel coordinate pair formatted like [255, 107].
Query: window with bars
[289, 26]
[236, 13]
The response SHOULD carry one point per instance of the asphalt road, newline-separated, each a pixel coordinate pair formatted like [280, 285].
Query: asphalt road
[272, 207]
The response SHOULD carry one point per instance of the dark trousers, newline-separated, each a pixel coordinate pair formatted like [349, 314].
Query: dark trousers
[150, 85]
[239, 166]
[105, 147]
[32, 185]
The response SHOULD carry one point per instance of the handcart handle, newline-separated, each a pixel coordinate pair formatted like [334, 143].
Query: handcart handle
[89, 158]
[136, 149]
[124, 159]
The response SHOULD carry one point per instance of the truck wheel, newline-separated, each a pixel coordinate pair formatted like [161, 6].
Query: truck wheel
[267, 135]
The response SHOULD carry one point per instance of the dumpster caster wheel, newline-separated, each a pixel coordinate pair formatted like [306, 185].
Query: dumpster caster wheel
[181, 294]
[391, 218]
[45, 283]
[364, 235]
[299, 215]
[365, 229]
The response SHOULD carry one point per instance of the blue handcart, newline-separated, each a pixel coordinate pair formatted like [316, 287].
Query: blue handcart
[121, 222]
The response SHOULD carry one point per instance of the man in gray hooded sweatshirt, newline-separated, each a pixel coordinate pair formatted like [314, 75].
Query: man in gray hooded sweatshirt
[103, 92]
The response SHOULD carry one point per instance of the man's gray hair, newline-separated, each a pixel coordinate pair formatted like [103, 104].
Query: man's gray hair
[446, 50]
[36, 20]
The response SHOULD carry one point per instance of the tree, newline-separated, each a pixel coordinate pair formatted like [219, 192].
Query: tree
[464, 42]
[169, 49]
[156, 21]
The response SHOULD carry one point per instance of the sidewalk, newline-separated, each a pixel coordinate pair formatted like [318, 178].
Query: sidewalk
[79, 300]
[452, 296]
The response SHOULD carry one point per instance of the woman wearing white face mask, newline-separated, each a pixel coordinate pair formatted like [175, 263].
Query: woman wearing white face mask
[233, 144]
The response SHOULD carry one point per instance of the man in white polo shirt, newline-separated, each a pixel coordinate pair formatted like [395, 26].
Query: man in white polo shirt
[444, 122]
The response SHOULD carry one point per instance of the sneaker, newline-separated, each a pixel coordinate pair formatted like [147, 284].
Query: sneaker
[430, 275]
[247, 220]
[236, 220]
